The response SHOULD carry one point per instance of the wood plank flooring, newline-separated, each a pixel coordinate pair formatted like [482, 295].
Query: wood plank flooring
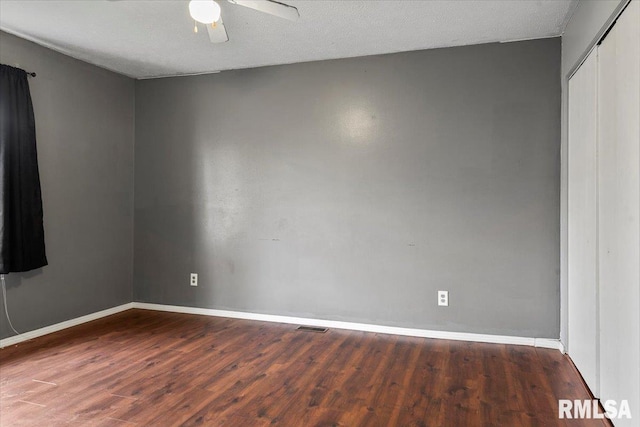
[145, 368]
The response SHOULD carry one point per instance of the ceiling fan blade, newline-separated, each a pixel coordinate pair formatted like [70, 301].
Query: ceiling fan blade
[217, 32]
[271, 7]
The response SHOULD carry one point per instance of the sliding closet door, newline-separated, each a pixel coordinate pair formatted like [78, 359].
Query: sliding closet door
[582, 225]
[619, 211]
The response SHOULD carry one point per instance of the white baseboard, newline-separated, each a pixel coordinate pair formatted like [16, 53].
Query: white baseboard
[63, 325]
[549, 343]
[393, 330]
[365, 327]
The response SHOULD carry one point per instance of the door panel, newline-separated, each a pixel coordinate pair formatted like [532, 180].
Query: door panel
[619, 211]
[582, 225]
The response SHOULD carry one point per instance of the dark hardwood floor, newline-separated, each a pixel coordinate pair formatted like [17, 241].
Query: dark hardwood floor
[150, 368]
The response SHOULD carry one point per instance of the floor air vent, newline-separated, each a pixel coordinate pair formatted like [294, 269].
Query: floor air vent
[311, 329]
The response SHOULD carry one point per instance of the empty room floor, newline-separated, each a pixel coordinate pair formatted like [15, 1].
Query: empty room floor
[150, 368]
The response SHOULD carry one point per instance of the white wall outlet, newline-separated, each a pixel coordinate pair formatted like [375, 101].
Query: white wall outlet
[443, 298]
[194, 279]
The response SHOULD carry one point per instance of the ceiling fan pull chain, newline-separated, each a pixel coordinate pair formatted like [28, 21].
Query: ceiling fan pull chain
[195, 26]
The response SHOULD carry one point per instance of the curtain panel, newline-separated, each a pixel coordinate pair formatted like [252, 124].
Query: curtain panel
[21, 218]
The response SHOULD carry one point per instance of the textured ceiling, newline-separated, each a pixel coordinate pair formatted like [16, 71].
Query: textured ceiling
[155, 38]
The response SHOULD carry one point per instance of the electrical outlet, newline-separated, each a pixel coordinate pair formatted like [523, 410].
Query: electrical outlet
[443, 298]
[194, 279]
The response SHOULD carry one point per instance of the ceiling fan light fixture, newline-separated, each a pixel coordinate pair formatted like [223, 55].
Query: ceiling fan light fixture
[204, 11]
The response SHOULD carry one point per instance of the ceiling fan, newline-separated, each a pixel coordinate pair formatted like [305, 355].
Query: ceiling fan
[208, 12]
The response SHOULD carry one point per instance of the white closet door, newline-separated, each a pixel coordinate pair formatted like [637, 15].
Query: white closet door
[582, 225]
[619, 212]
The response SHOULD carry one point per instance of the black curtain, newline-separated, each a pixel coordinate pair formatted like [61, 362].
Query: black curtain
[21, 229]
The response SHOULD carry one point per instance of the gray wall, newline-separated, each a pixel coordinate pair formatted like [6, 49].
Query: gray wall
[588, 23]
[85, 134]
[355, 189]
